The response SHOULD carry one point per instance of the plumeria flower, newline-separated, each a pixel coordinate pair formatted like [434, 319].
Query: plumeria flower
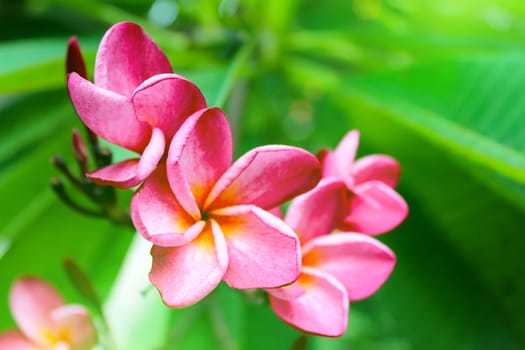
[336, 268]
[206, 218]
[135, 102]
[44, 321]
[375, 206]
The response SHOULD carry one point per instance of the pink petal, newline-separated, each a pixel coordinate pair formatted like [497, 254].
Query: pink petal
[31, 301]
[74, 320]
[321, 310]
[288, 292]
[164, 101]
[276, 211]
[157, 214]
[14, 340]
[266, 177]
[108, 114]
[199, 154]
[376, 167]
[263, 251]
[184, 275]
[131, 172]
[347, 149]
[376, 208]
[126, 57]
[361, 263]
[121, 174]
[318, 211]
[329, 165]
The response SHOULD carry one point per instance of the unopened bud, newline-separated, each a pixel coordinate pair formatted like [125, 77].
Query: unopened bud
[74, 59]
[79, 147]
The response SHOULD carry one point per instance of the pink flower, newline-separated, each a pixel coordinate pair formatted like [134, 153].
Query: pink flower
[336, 268]
[135, 102]
[375, 206]
[206, 218]
[44, 321]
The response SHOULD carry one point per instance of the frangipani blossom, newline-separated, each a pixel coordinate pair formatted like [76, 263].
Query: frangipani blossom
[136, 102]
[375, 206]
[44, 321]
[206, 218]
[336, 268]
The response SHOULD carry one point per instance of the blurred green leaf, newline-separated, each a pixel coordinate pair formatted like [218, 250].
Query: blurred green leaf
[37, 232]
[32, 65]
[453, 209]
[471, 106]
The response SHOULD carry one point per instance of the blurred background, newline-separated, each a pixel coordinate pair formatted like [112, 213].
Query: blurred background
[437, 84]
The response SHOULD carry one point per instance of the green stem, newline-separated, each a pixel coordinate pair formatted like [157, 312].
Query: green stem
[234, 71]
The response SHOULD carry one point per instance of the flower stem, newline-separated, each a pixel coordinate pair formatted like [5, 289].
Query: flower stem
[234, 71]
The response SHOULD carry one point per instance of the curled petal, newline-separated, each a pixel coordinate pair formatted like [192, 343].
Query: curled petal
[164, 101]
[107, 114]
[288, 292]
[32, 301]
[376, 208]
[75, 321]
[157, 214]
[263, 251]
[126, 57]
[376, 167]
[131, 172]
[266, 177]
[199, 154]
[361, 263]
[319, 211]
[14, 340]
[321, 310]
[184, 275]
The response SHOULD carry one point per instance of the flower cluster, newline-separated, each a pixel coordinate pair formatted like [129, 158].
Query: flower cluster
[44, 321]
[210, 220]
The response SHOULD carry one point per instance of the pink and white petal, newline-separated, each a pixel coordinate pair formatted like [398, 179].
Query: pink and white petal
[321, 310]
[75, 321]
[164, 101]
[131, 172]
[376, 167]
[185, 275]
[126, 57]
[375, 209]
[287, 292]
[318, 211]
[155, 212]
[108, 114]
[266, 177]
[31, 301]
[263, 251]
[199, 154]
[361, 263]
[15, 340]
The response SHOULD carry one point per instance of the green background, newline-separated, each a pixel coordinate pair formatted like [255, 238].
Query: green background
[438, 84]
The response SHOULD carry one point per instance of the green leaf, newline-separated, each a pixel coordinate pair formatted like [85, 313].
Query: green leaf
[32, 65]
[37, 231]
[470, 106]
[460, 250]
